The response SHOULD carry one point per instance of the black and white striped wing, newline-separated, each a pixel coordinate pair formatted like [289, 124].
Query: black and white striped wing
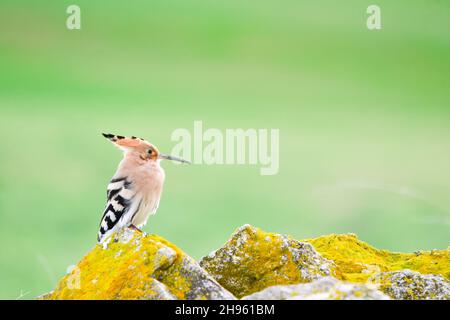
[121, 203]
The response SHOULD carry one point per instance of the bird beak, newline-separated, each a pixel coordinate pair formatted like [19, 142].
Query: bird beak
[169, 157]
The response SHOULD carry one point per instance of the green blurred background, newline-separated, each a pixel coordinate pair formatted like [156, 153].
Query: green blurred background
[363, 116]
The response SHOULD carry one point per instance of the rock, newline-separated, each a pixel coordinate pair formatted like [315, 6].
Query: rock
[326, 288]
[44, 296]
[410, 285]
[252, 260]
[256, 265]
[137, 266]
[356, 261]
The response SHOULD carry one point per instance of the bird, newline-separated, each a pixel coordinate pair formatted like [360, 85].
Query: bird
[134, 192]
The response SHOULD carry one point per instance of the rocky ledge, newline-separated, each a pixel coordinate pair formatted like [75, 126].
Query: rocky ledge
[254, 264]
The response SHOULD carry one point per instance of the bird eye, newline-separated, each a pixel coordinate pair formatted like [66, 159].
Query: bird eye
[150, 151]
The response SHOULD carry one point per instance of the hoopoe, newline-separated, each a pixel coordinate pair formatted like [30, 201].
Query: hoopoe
[135, 189]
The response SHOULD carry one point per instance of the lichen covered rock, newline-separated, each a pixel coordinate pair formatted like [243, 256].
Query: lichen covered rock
[137, 266]
[256, 265]
[356, 261]
[326, 288]
[410, 285]
[252, 260]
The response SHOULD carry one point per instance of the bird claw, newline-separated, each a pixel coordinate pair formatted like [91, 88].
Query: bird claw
[133, 227]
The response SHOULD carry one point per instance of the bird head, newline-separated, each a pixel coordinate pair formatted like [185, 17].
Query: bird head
[140, 148]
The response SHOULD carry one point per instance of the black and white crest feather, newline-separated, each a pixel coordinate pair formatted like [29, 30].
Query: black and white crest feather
[121, 204]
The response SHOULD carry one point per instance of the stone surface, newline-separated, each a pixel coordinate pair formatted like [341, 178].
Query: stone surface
[357, 261]
[252, 260]
[257, 265]
[136, 266]
[326, 288]
[410, 285]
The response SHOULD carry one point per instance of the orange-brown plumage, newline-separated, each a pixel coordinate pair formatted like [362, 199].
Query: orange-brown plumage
[135, 189]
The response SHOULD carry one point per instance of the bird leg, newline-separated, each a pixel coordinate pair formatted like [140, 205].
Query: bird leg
[132, 226]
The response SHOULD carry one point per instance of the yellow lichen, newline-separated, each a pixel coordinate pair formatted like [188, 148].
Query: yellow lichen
[133, 266]
[252, 260]
[356, 261]
[412, 285]
[124, 271]
[258, 266]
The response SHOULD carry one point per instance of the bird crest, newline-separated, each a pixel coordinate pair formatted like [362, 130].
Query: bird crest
[122, 141]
